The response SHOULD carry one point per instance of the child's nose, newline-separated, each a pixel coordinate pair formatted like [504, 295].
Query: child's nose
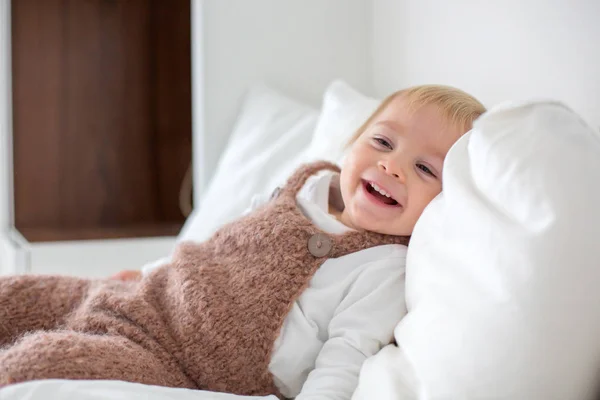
[391, 169]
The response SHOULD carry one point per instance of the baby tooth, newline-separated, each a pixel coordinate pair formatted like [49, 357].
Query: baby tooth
[380, 190]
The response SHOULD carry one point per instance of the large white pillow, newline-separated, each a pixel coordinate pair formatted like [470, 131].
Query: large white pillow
[270, 135]
[344, 110]
[274, 135]
[503, 269]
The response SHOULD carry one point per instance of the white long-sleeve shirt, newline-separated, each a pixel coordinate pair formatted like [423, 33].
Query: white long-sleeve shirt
[347, 313]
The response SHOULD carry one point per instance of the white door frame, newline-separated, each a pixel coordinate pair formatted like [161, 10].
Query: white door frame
[15, 251]
[13, 247]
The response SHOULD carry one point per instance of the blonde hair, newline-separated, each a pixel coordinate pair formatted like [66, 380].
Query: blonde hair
[457, 106]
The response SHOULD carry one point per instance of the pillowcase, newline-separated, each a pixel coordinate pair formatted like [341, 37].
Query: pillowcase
[344, 111]
[503, 268]
[269, 136]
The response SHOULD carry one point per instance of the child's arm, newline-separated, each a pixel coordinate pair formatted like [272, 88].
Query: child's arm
[363, 323]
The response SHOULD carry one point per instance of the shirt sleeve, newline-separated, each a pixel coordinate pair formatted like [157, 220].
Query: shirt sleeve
[362, 324]
[388, 375]
[307, 192]
[256, 201]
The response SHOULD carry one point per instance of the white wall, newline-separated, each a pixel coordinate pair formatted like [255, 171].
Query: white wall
[497, 50]
[296, 46]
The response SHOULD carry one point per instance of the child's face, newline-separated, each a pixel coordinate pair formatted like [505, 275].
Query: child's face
[394, 169]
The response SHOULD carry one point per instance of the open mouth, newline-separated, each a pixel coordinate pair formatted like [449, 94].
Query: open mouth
[379, 194]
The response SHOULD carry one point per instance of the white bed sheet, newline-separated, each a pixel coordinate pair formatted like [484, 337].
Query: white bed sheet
[61, 389]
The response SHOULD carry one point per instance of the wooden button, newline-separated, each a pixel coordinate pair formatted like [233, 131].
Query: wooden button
[319, 245]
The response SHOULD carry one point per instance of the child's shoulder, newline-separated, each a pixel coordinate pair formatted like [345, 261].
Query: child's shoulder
[316, 188]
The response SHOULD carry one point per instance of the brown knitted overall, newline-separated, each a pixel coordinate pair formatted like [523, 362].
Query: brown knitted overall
[208, 320]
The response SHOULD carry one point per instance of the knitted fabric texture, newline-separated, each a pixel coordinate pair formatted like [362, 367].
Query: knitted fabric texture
[207, 320]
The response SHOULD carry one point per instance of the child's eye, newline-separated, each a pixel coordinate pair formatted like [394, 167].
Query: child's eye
[426, 170]
[383, 142]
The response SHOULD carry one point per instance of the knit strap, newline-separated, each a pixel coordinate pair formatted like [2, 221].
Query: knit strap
[351, 242]
[298, 179]
[342, 244]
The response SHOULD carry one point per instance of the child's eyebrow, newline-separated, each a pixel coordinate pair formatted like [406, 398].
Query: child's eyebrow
[391, 125]
[437, 153]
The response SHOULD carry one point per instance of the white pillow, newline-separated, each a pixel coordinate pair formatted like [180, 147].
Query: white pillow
[344, 110]
[270, 135]
[503, 269]
[270, 140]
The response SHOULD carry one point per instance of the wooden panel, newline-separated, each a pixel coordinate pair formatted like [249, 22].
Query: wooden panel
[37, 99]
[107, 126]
[102, 116]
[172, 35]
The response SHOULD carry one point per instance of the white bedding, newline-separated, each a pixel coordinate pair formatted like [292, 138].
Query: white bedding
[114, 390]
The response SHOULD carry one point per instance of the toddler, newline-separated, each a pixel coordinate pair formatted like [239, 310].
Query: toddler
[288, 300]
